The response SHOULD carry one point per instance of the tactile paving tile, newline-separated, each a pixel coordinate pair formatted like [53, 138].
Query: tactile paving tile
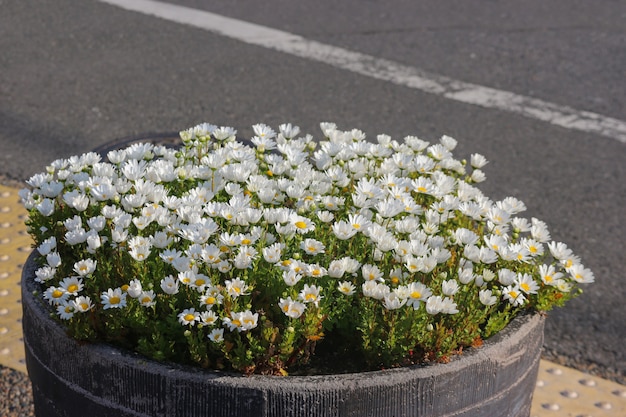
[560, 392]
[15, 245]
[566, 392]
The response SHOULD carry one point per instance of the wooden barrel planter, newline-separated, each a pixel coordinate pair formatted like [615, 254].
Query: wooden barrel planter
[74, 379]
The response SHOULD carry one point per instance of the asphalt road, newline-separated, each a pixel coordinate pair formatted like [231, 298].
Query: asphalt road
[75, 74]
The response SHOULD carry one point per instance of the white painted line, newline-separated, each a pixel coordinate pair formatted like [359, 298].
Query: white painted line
[381, 69]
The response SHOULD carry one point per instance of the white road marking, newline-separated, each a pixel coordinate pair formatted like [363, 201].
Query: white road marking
[381, 69]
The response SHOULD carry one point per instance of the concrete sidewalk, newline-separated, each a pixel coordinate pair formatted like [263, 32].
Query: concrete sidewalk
[560, 391]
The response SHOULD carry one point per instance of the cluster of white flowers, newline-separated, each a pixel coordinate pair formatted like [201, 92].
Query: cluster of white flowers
[342, 217]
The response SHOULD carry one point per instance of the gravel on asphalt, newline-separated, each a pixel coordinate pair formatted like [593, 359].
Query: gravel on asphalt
[16, 398]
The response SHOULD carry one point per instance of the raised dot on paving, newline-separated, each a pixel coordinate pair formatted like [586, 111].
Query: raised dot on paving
[555, 371]
[4, 311]
[620, 393]
[604, 405]
[588, 382]
[569, 394]
[551, 406]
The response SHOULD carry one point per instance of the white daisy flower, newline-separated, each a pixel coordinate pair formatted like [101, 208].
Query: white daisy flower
[291, 308]
[513, 295]
[417, 292]
[188, 317]
[113, 298]
[134, 288]
[526, 284]
[478, 161]
[65, 310]
[146, 298]
[581, 274]
[85, 267]
[346, 288]
[548, 274]
[374, 289]
[449, 287]
[55, 295]
[208, 318]
[312, 246]
[487, 298]
[45, 273]
[169, 285]
[310, 294]
[236, 287]
[72, 285]
[391, 301]
[82, 304]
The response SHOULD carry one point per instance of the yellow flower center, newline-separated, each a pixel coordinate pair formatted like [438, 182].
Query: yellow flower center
[146, 300]
[311, 297]
[422, 189]
[57, 293]
[84, 306]
[114, 300]
[300, 225]
[416, 294]
[189, 317]
[210, 300]
[246, 241]
[236, 322]
[200, 282]
[525, 286]
[72, 288]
